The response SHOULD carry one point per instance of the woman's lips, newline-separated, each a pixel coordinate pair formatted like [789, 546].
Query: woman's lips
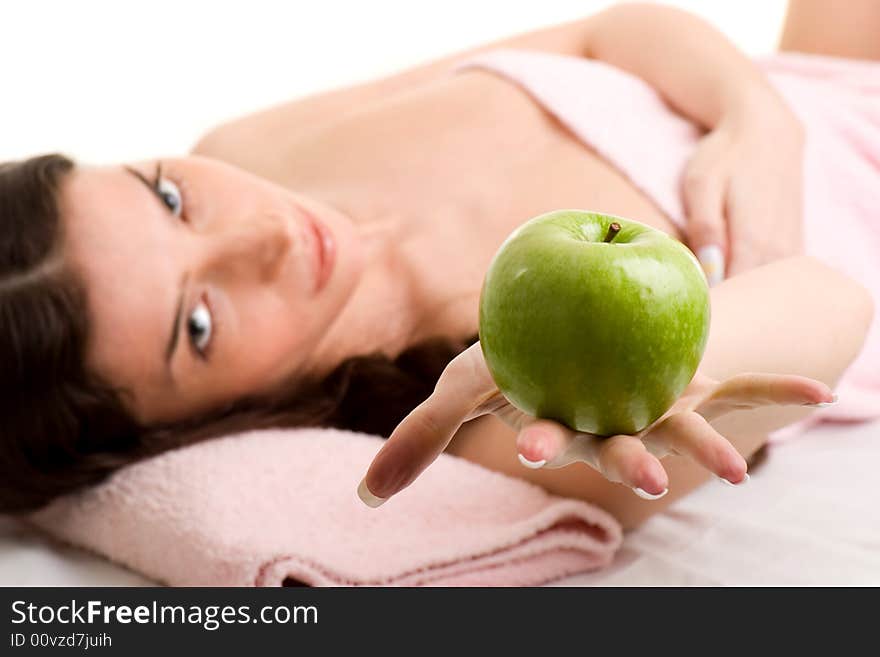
[323, 249]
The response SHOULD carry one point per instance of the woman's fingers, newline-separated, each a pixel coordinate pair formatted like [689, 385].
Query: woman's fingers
[764, 219]
[464, 390]
[623, 459]
[750, 240]
[753, 390]
[634, 461]
[706, 224]
[545, 441]
[690, 434]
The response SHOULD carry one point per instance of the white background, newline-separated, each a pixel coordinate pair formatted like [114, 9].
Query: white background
[118, 81]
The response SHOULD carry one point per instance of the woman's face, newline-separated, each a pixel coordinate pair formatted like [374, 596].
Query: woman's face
[202, 285]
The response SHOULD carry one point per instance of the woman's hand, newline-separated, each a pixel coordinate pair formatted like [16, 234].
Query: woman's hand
[742, 188]
[466, 390]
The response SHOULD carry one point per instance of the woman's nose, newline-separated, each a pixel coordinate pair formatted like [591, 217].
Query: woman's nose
[255, 247]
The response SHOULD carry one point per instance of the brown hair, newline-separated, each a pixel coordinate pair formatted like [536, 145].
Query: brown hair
[63, 427]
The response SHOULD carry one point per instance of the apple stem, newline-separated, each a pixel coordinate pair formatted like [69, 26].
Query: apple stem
[613, 229]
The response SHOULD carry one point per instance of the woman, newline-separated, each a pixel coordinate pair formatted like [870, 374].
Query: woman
[320, 263]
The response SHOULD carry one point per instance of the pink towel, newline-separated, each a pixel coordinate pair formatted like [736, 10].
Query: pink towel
[265, 506]
[626, 121]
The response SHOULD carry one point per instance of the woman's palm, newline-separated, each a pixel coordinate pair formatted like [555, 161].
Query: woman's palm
[466, 390]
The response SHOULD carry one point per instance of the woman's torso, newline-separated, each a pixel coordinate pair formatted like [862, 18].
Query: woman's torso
[462, 161]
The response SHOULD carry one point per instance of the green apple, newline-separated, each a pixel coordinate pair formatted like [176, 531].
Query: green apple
[596, 321]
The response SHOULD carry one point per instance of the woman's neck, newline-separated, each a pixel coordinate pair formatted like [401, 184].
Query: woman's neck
[394, 304]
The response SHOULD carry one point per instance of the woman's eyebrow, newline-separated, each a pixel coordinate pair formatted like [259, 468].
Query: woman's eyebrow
[137, 174]
[171, 345]
[152, 187]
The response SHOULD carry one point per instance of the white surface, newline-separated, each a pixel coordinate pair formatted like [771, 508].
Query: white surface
[108, 81]
[29, 558]
[808, 516]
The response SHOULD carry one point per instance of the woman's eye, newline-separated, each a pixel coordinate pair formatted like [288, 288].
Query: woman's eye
[170, 195]
[200, 327]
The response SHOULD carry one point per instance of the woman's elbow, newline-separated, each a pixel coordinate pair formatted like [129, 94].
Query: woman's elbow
[849, 299]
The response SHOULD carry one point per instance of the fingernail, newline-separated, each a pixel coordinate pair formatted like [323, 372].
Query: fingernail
[834, 400]
[645, 495]
[367, 497]
[712, 260]
[534, 465]
[743, 482]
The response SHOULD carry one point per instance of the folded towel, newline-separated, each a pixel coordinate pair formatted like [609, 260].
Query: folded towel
[279, 506]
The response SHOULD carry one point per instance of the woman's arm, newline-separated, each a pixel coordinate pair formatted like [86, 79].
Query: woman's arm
[746, 173]
[830, 27]
[782, 335]
[690, 63]
[794, 316]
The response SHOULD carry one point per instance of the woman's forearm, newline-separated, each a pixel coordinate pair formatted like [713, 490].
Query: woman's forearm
[793, 316]
[691, 64]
